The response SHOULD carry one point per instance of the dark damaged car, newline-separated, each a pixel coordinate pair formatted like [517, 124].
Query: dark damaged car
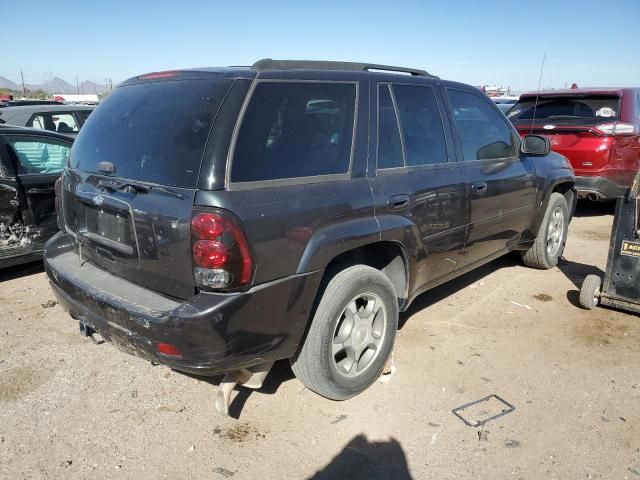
[218, 220]
[30, 163]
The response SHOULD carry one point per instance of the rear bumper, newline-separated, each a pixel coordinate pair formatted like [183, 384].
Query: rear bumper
[602, 188]
[215, 332]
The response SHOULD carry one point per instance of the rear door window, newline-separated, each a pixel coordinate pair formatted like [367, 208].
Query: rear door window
[483, 132]
[421, 122]
[55, 122]
[36, 155]
[575, 110]
[294, 130]
[152, 131]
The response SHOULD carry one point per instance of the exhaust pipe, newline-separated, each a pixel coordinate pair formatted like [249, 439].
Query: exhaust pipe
[591, 195]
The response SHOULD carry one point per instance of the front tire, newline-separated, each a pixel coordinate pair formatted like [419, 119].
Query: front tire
[552, 236]
[351, 335]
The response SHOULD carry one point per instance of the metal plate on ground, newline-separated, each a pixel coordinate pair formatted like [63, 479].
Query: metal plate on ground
[479, 412]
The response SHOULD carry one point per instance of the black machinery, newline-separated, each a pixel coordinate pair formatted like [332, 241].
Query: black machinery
[621, 286]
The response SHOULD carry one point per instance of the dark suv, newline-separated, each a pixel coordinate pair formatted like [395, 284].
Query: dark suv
[220, 219]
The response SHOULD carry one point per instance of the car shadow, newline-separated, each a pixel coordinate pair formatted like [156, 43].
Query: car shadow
[280, 373]
[587, 208]
[576, 272]
[451, 287]
[361, 458]
[23, 270]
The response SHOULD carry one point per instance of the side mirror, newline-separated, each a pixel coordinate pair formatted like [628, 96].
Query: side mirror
[535, 145]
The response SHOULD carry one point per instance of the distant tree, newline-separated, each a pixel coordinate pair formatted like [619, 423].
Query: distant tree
[39, 94]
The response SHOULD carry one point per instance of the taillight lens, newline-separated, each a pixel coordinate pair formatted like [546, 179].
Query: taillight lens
[210, 254]
[58, 203]
[221, 254]
[616, 128]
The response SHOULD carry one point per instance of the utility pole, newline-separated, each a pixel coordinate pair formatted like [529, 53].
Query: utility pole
[24, 90]
[77, 87]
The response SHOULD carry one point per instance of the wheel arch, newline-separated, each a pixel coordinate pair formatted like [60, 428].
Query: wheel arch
[558, 181]
[388, 245]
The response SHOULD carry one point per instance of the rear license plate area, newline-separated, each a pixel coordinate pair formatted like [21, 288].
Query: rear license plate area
[108, 229]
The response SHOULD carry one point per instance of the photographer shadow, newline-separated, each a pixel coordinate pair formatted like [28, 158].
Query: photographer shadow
[362, 459]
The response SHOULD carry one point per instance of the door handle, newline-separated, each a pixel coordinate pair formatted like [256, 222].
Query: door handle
[479, 188]
[398, 202]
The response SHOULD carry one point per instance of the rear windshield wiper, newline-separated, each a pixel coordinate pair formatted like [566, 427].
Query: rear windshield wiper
[128, 187]
[131, 187]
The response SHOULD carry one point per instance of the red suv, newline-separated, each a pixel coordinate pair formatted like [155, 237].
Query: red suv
[597, 129]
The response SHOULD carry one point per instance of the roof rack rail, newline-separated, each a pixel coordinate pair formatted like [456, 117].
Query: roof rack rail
[267, 64]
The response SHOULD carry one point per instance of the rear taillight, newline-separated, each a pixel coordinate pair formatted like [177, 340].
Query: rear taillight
[616, 129]
[221, 254]
[58, 203]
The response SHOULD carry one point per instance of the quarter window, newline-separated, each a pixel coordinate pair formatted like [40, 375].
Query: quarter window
[483, 132]
[84, 114]
[295, 129]
[422, 129]
[389, 143]
[37, 155]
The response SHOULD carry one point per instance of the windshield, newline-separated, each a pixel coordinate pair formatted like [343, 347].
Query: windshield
[567, 110]
[153, 131]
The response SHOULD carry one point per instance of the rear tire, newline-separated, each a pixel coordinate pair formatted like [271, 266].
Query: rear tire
[552, 236]
[351, 335]
[590, 292]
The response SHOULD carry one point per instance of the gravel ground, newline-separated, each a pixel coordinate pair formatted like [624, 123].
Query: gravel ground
[71, 409]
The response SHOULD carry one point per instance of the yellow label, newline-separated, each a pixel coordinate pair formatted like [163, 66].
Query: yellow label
[630, 248]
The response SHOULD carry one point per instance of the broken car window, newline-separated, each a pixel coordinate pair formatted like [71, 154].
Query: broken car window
[34, 155]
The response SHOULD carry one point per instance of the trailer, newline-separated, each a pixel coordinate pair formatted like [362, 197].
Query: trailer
[621, 286]
[86, 99]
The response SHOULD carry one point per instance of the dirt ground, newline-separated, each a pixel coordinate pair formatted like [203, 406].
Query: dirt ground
[71, 409]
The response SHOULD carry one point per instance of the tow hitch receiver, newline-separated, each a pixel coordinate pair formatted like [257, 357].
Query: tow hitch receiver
[251, 377]
[87, 331]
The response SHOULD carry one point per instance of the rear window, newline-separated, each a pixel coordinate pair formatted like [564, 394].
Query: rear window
[154, 131]
[567, 110]
[295, 129]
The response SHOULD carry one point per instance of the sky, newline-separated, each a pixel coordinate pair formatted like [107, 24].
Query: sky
[589, 42]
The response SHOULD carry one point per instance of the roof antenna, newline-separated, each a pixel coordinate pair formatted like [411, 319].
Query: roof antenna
[535, 107]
